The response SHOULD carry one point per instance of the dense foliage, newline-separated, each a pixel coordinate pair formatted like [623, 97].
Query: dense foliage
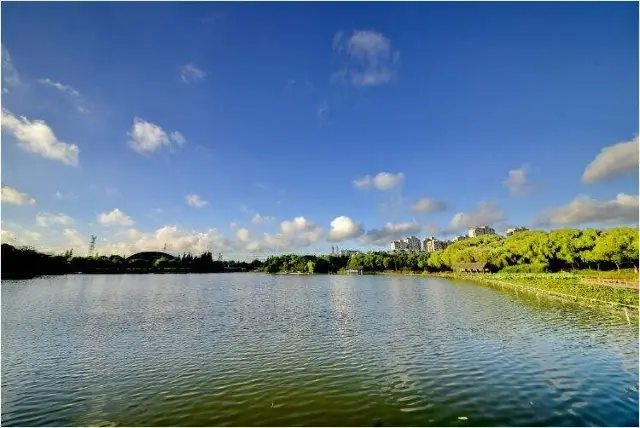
[523, 252]
[26, 262]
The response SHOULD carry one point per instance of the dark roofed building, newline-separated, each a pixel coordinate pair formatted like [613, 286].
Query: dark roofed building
[150, 256]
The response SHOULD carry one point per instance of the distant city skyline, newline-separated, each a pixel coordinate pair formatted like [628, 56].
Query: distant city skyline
[294, 127]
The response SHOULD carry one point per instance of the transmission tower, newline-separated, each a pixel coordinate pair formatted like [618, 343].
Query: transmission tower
[92, 244]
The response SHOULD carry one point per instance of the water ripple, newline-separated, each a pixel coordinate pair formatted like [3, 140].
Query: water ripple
[257, 350]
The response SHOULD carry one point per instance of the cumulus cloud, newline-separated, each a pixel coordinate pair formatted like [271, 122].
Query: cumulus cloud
[390, 232]
[298, 232]
[191, 74]
[37, 137]
[116, 218]
[623, 209]
[60, 87]
[381, 181]
[174, 239]
[261, 219]
[486, 213]
[146, 137]
[10, 75]
[243, 236]
[369, 59]
[612, 162]
[50, 219]
[429, 205]
[343, 228]
[24, 237]
[13, 196]
[517, 181]
[195, 201]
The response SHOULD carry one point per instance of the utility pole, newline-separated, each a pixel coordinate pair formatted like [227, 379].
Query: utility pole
[92, 244]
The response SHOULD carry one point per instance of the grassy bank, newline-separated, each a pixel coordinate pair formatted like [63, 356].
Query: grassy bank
[567, 285]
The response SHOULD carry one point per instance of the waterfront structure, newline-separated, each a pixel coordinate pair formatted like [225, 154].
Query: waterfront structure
[432, 244]
[481, 230]
[510, 231]
[410, 244]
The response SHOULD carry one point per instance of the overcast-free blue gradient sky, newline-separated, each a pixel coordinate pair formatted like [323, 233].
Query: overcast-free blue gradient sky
[255, 128]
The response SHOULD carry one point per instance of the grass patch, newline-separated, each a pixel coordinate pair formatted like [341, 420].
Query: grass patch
[569, 284]
[623, 274]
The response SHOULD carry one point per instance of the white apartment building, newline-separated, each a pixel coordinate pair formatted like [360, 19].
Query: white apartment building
[432, 244]
[479, 231]
[510, 231]
[410, 244]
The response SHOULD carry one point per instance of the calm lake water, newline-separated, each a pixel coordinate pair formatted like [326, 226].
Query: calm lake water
[253, 349]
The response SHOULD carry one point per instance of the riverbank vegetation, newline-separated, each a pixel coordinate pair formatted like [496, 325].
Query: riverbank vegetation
[27, 263]
[567, 284]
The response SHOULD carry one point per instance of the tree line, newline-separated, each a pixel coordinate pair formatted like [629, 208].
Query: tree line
[25, 262]
[526, 251]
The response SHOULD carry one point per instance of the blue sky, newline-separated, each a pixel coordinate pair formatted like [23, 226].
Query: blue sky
[487, 113]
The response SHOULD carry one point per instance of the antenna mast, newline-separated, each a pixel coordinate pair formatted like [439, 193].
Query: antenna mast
[92, 244]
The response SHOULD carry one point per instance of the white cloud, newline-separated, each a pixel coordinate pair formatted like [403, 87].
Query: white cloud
[115, 217]
[191, 74]
[261, 219]
[176, 240]
[298, 232]
[322, 110]
[24, 238]
[243, 236]
[13, 196]
[59, 86]
[37, 137]
[49, 219]
[195, 201]
[390, 232]
[343, 228]
[146, 137]
[486, 213]
[612, 162]
[623, 209]
[75, 240]
[10, 75]
[65, 196]
[517, 181]
[369, 58]
[381, 181]
[8, 237]
[429, 205]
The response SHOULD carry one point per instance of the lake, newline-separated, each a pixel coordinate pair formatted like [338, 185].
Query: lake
[255, 349]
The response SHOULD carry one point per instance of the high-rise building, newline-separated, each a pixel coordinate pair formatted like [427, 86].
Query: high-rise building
[410, 244]
[482, 230]
[510, 231]
[432, 244]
